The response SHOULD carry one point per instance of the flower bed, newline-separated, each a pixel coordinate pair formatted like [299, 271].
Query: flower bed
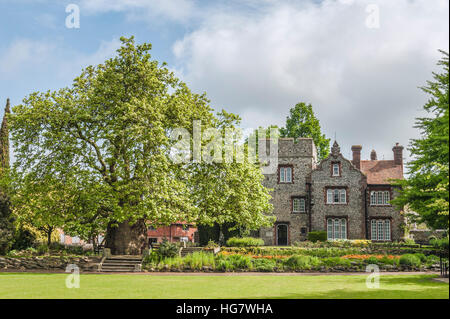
[230, 260]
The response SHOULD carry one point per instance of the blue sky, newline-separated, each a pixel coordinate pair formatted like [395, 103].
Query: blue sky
[254, 58]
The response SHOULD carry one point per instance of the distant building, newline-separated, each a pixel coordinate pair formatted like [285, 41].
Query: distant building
[177, 232]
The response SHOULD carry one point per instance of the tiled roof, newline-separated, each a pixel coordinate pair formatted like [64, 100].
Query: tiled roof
[379, 172]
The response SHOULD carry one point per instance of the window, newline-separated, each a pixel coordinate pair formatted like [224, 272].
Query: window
[336, 171]
[336, 196]
[336, 228]
[378, 198]
[62, 238]
[75, 240]
[285, 174]
[303, 230]
[380, 229]
[298, 205]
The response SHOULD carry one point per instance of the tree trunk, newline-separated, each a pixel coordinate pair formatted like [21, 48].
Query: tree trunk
[126, 239]
[49, 237]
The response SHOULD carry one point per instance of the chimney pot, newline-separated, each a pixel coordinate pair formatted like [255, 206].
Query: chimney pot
[373, 155]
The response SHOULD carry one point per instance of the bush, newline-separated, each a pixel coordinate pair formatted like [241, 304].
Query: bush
[336, 261]
[410, 260]
[265, 265]
[42, 249]
[74, 250]
[240, 262]
[301, 262]
[315, 236]
[199, 259]
[167, 249]
[244, 242]
[440, 243]
[212, 244]
[409, 241]
[23, 239]
[422, 257]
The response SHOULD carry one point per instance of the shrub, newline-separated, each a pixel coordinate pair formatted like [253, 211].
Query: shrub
[301, 262]
[266, 265]
[410, 260]
[244, 242]
[74, 250]
[23, 239]
[167, 249]
[212, 244]
[422, 257]
[373, 260]
[199, 259]
[336, 261]
[224, 265]
[56, 246]
[42, 249]
[315, 236]
[240, 262]
[440, 243]
[409, 241]
[360, 242]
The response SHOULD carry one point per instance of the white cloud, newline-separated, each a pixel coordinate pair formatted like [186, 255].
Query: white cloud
[23, 54]
[44, 64]
[362, 82]
[175, 10]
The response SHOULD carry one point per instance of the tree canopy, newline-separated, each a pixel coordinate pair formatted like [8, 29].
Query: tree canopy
[107, 141]
[302, 122]
[426, 191]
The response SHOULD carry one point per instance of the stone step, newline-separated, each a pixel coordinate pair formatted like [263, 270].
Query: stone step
[120, 261]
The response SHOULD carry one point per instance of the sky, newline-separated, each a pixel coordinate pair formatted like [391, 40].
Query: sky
[359, 63]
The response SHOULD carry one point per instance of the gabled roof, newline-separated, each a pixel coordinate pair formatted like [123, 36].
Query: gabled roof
[379, 172]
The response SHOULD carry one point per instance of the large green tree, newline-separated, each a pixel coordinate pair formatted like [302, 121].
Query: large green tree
[113, 128]
[6, 216]
[426, 190]
[302, 122]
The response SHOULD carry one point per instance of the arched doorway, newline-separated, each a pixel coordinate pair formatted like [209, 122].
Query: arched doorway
[282, 234]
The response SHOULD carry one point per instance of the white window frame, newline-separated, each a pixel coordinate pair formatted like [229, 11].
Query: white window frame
[301, 205]
[380, 198]
[336, 196]
[285, 174]
[336, 228]
[336, 169]
[380, 229]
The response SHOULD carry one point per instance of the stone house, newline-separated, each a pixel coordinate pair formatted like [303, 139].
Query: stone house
[349, 199]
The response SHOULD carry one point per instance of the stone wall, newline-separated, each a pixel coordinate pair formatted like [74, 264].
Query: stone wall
[48, 263]
[300, 154]
[421, 236]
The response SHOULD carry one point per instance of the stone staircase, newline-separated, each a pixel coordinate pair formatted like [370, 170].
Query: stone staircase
[117, 263]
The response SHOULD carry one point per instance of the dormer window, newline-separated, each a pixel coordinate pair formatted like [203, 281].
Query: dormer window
[336, 169]
[285, 174]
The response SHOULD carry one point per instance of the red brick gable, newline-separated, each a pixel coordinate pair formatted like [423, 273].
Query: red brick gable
[379, 172]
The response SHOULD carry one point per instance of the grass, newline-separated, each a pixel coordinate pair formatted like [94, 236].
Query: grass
[41, 286]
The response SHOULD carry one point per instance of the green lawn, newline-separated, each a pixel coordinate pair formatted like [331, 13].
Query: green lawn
[29, 285]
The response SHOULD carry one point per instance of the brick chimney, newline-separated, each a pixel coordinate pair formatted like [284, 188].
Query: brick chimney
[373, 155]
[398, 154]
[356, 149]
